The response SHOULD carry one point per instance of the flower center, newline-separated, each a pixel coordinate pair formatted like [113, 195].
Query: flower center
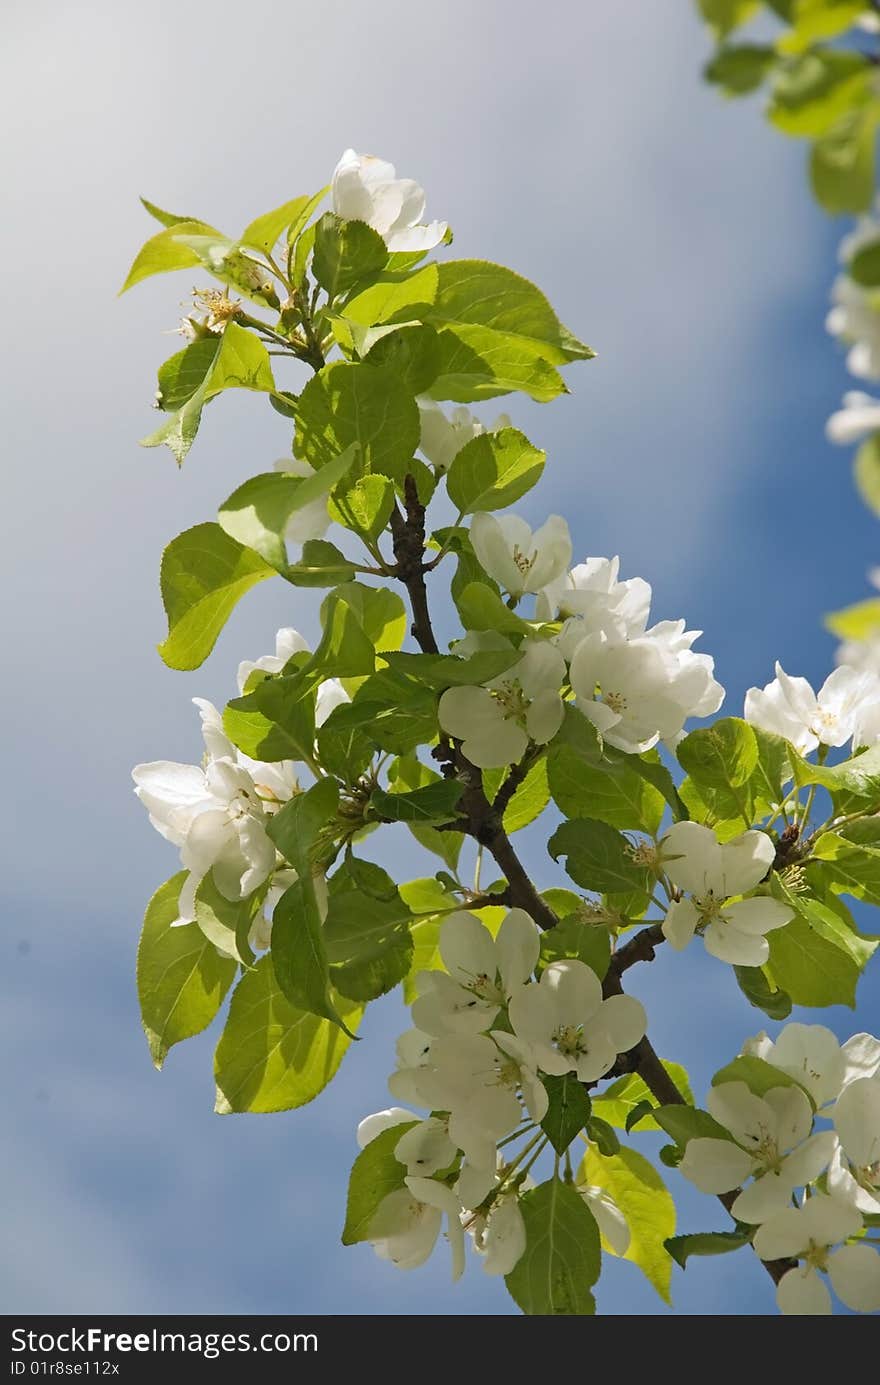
[524, 561]
[709, 906]
[485, 987]
[512, 700]
[816, 1256]
[569, 1039]
[823, 724]
[616, 701]
[868, 1176]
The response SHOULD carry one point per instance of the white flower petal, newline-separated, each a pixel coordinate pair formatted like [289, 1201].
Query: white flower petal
[854, 1272]
[715, 1166]
[801, 1293]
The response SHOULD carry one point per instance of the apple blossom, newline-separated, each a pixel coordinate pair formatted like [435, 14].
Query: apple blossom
[859, 416]
[846, 707]
[814, 1057]
[519, 560]
[611, 1222]
[330, 694]
[413, 1056]
[407, 1222]
[810, 1233]
[642, 690]
[590, 599]
[710, 872]
[499, 1235]
[853, 319]
[427, 1147]
[379, 1121]
[773, 1144]
[481, 974]
[497, 722]
[443, 436]
[368, 189]
[311, 521]
[567, 1025]
[855, 1172]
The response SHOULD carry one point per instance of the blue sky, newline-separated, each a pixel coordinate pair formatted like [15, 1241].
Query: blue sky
[674, 233]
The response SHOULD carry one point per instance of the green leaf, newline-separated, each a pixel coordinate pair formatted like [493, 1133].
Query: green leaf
[448, 671]
[568, 1110]
[476, 363]
[299, 952]
[164, 252]
[272, 1056]
[374, 1175]
[851, 867]
[349, 403]
[599, 858]
[572, 937]
[866, 469]
[647, 1206]
[395, 297]
[345, 753]
[412, 352]
[723, 16]
[276, 720]
[256, 514]
[603, 1136]
[481, 608]
[364, 507]
[756, 987]
[759, 1076]
[618, 1102]
[685, 1123]
[706, 1243]
[182, 374]
[819, 19]
[562, 1257]
[167, 218]
[810, 960]
[864, 267]
[368, 939]
[740, 69]
[477, 293]
[610, 790]
[395, 712]
[204, 574]
[321, 565]
[345, 253]
[380, 611]
[181, 978]
[860, 775]
[858, 622]
[812, 92]
[227, 923]
[230, 264]
[842, 164]
[493, 470]
[241, 362]
[434, 803]
[266, 230]
[528, 801]
[722, 756]
[297, 227]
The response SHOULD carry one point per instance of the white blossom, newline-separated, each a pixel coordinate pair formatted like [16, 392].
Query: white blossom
[499, 1235]
[853, 319]
[519, 560]
[854, 1175]
[311, 521]
[568, 1026]
[859, 416]
[810, 1233]
[497, 722]
[773, 1145]
[407, 1222]
[413, 1057]
[592, 600]
[846, 707]
[812, 1055]
[611, 1222]
[710, 872]
[379, 1121]
[368, 189]
[443, 436]
[481, 974]
[426, 1148]
[641, 690]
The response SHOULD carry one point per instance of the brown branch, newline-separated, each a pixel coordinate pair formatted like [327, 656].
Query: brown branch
[640, 948]
[513, 781]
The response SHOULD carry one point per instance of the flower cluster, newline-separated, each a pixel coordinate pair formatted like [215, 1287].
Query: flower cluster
[216, 812]
[637, 685]
[487, 1038]
[846, 708]
[806, 1191]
